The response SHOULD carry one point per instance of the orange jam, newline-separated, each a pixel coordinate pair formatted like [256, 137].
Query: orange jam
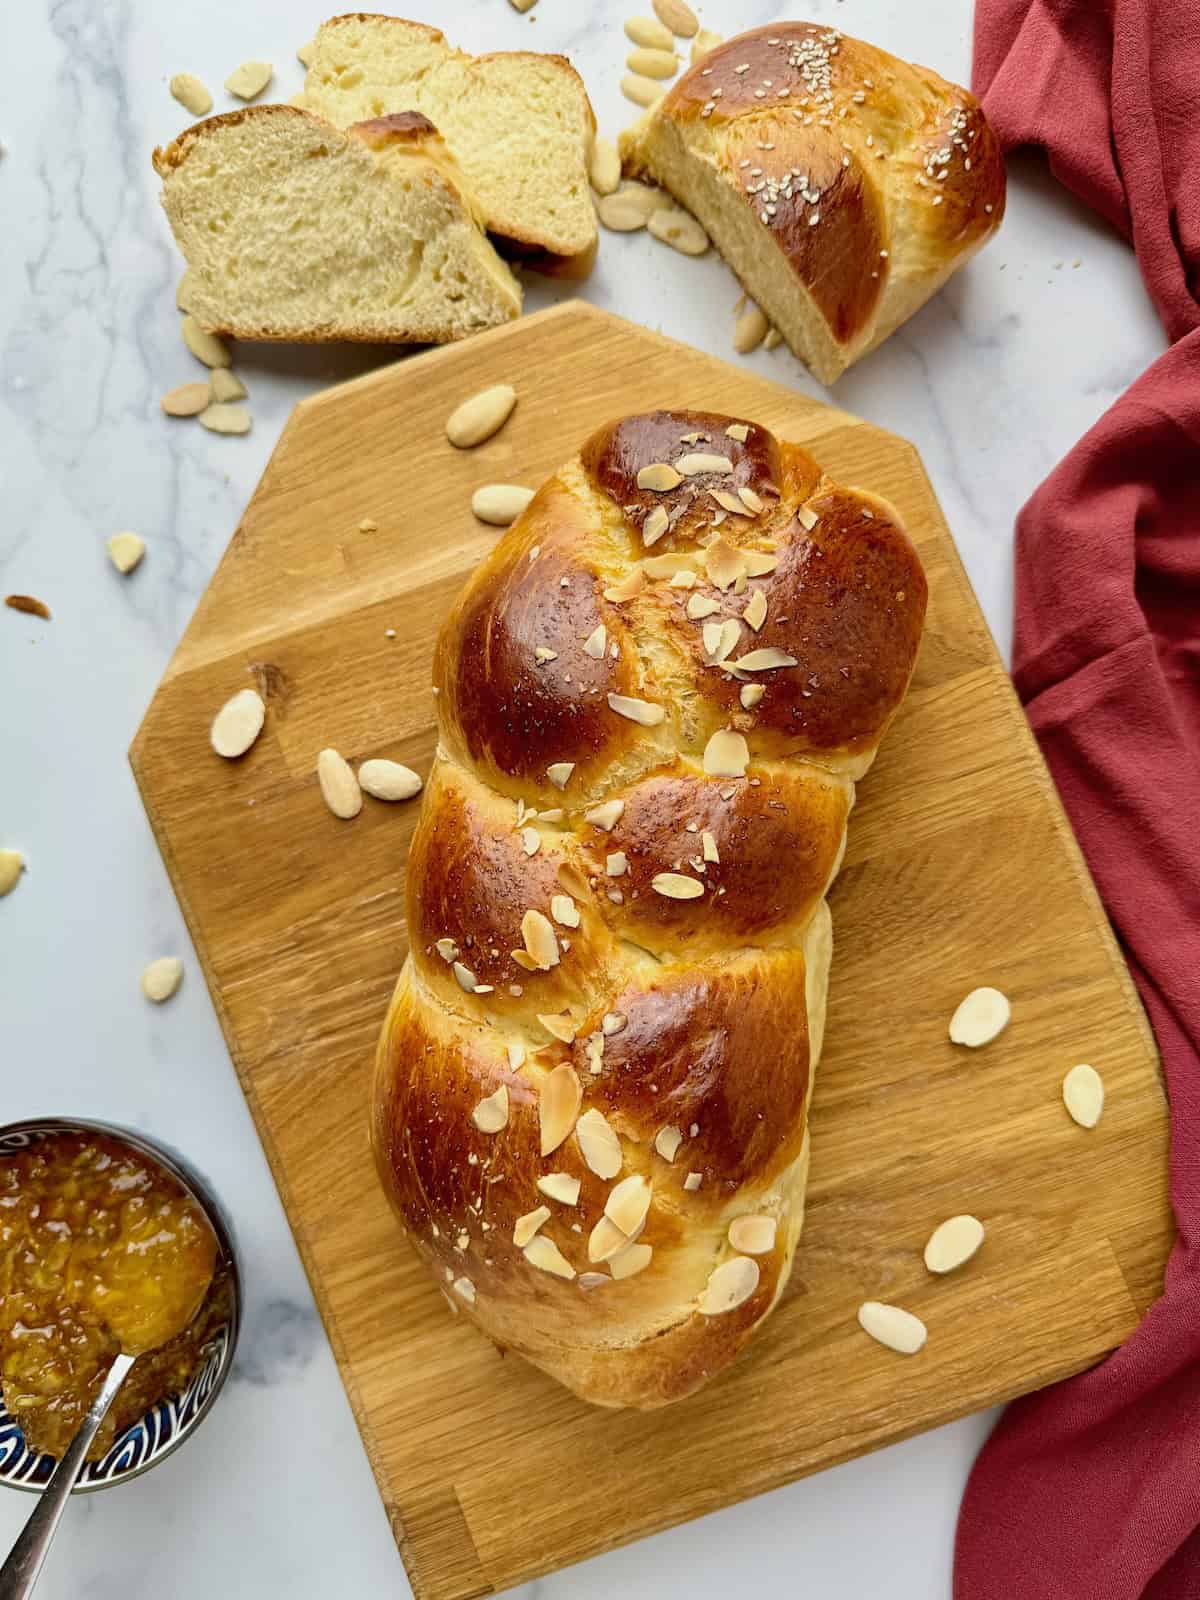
[101, 1250]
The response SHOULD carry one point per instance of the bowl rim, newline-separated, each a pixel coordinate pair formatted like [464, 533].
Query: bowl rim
[205, 1196]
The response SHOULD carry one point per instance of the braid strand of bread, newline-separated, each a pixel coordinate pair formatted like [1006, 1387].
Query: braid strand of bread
[592, 1087]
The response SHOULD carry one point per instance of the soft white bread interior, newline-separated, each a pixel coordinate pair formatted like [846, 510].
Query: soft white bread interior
[519, 123]
[295, 230]
[842, 185]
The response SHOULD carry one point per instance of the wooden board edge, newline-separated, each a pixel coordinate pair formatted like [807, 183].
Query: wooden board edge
[277, 1169]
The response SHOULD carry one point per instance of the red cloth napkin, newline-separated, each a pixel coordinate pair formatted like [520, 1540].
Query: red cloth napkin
[1091, 1490]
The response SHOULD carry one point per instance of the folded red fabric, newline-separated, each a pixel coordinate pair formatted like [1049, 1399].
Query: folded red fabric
[1091, 1490]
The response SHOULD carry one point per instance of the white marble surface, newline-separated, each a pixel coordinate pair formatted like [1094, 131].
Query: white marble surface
[992, 381]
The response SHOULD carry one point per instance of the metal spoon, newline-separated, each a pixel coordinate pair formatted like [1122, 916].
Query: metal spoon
[20, 1572]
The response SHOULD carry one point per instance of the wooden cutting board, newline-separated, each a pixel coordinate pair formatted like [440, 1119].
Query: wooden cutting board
[961, 870]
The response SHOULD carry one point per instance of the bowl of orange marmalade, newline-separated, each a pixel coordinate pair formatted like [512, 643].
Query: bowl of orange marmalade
[105, 1238]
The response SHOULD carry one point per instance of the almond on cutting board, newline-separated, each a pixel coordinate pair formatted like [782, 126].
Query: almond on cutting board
[980, 1018]
[238, 724]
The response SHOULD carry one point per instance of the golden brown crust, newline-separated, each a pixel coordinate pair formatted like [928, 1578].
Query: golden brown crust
[690, 1027]
[874, 178]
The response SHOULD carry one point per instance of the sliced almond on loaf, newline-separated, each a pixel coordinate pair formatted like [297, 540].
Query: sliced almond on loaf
[519, 123]
[293, 229]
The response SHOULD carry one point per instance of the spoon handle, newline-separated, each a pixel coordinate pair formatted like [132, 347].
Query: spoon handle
[20, 1572]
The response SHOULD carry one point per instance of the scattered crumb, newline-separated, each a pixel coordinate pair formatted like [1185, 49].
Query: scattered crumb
[368, 525]
[29, 604]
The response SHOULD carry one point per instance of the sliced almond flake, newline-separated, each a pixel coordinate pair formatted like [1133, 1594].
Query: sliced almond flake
[524, 1228]
[544, 1254]
[516, 1055]
[693, 1181]
[685, 578]
[592, 1280]
[559, 1024]
[764, 660]
[759, 563]
[676, 886]
[524, 960]
[753, 1235]
[447, 949]
[709, 846]
[466, 978]
[730, 502]
[720, 639]
[641, 711]
[543, 653]
[630, 585]
[612, 1022]
[690, 438]
[559, 772]
[659, 477]
[605, 1241]
[750, 500]
[539, 939]
[555, 814]
[598, 1144]
[490, 1115]
[750, 694]
[806, 518]
[756, 610]
[628, 1203]
[560, 1186]
[740, 583]
[729, 1286]
[723, 563]
[616, 864]
[630, 1261]
[464, 1289]
[655, 526]
[531, 841]
[668, 566]
[702, 461]
[1083, 1095]
[558, 1106]
[702, 605]
[606, 815]
[726, 755]
[564, 910]
[593, 1049]
[667, 1141]
[737, 430]
[595, 642]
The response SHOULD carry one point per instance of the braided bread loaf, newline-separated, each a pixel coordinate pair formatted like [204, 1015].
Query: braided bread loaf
[592, 1088]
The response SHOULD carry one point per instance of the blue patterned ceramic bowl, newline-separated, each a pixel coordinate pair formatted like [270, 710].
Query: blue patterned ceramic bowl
[165, 1427]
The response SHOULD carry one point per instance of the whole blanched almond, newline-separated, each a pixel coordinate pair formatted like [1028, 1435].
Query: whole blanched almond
[238, 724]
[642, 91]
[953, 1243]
[500, 503]
[479, 417]
[226, 386]
[749, 330]
[339, 786]
[604, 168]
[225, 419]
[388, 780]
[191, 94]
[653, 63]
[125, 550]
[649, 33]
[189, 400]
[162, 978]
[704, 41]
[249, 80]
[679, 229]
[677, 16]
[204, 346]
[892, 1326]
[12, 865]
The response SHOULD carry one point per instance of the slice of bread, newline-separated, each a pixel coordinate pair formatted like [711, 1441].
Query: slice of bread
[294, 230]
[519, 124]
